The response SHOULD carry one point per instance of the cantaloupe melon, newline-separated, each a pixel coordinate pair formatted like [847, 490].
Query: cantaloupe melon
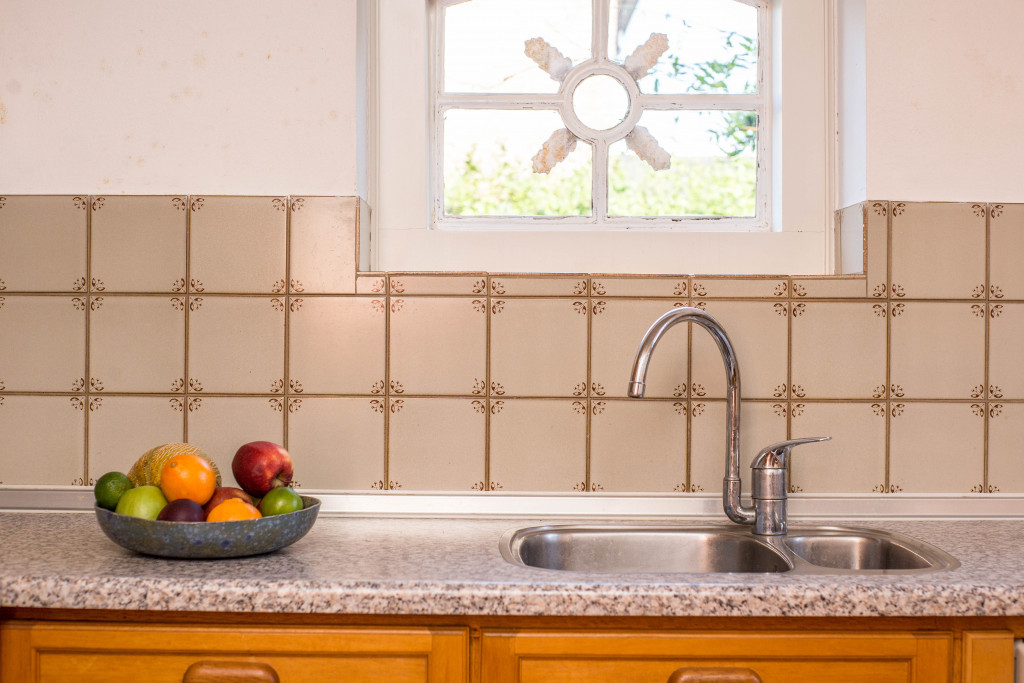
[146, 470]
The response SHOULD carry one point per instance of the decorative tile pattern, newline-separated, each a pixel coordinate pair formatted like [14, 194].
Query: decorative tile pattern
[116, 338]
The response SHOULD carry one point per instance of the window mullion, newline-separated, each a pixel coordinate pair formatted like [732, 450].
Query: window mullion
[599, 179]
[599, 34]
[498, 101]
[685, 101]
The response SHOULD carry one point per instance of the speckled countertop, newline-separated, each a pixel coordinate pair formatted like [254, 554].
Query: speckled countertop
[452, 566]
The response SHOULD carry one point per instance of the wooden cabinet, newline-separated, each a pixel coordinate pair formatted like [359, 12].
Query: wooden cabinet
[646, 656]
[63, 645]
[52, 652]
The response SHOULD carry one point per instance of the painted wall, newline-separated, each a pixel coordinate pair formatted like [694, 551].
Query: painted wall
[232, 96]
[228, 97]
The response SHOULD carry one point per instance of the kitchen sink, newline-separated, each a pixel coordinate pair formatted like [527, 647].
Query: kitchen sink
[720, 549]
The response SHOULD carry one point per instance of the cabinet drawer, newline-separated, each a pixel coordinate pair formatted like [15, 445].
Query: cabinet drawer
[51, 652]
[642, 657]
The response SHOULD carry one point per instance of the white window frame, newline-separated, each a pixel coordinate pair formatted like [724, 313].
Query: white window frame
[600, 141]
[799, 241]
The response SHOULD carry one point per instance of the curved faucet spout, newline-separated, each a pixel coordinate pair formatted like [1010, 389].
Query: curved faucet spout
[731, 486]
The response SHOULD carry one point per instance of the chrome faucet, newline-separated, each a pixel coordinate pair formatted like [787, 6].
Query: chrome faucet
[768, 514]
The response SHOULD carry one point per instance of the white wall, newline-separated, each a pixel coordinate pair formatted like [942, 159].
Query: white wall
[211, 96]
[945, 97]
[233, 96]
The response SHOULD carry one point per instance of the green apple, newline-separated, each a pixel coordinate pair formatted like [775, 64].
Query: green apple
[142, 501]
[280, 501]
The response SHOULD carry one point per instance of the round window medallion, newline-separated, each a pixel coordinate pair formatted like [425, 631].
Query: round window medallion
[600, 102]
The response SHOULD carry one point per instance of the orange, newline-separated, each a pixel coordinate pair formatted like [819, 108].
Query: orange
[188, 476]
[232, 510]
[147, 468]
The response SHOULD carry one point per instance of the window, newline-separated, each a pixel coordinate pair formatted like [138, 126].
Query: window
[592, 135]
[600, 113]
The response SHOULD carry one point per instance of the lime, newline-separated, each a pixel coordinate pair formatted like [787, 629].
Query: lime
[142, 501]
[110, 487]
[280, 501]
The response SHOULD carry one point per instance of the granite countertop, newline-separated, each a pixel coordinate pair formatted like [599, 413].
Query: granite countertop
[452, 566]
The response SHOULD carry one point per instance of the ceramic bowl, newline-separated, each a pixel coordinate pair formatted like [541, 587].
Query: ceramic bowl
[209, 540]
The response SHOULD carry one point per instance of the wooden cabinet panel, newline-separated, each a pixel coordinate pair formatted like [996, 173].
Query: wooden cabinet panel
[62, 652]
[988, 656]
[642, 657]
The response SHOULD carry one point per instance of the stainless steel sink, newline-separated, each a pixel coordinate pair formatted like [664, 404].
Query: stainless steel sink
[720, 549]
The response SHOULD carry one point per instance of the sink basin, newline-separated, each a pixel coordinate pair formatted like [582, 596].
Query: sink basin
[638, 549]
[719, 549]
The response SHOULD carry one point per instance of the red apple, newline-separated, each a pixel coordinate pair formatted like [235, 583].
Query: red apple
[260, 466]
[222, 493]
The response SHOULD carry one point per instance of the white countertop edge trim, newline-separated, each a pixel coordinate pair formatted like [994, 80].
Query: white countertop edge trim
[603, 505]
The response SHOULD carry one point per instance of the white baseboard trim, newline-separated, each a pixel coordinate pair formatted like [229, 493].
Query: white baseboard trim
[597, 505]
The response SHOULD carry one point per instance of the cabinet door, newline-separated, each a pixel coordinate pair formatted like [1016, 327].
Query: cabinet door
[51, 652]
[642, 657]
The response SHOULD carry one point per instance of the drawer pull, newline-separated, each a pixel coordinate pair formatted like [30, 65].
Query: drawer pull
[713, 675]
[230, 672]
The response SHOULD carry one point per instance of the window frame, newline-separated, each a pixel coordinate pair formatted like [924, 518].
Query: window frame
[800, 239]
[442, 101]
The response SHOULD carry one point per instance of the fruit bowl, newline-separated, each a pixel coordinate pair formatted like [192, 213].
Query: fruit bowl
[209, 540]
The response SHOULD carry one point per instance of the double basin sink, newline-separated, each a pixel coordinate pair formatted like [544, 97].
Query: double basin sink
[720, 549]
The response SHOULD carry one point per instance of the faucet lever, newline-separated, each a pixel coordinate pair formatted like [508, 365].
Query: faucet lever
[770, 486]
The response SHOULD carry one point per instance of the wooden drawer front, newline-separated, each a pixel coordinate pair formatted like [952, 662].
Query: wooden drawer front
[55, 652]
[617, 657]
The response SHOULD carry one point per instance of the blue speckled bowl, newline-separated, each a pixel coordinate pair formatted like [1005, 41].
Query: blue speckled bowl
[206, 540]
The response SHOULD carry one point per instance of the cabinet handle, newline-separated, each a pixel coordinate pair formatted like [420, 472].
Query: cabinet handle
[230, 672]
[713, 675]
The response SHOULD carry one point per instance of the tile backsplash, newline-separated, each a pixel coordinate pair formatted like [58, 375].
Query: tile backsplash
[130, 321]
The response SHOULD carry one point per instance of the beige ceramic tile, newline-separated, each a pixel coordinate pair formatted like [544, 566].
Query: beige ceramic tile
[414, 284]
[438, 346]
[637, 445]
[853, 461]
[1006, 244]
[552, 285]
[838, 350]
[619, 325]
[539, 347]
[237, 244]
[122, 428]
[851, 224]
[876, 218]
[936, 447]
[323, 244]
[42, 343]
[759, 332]
[640, 286]
[436, 444]
[1005, 450]
[938, 250]
[50, 430]
[1006, 339]
[337, 443]
[538, 445]
[138, 244]
[43, 243]
[829, 287]
[221, 424]
[236, 344]
[372, 283]
[761, 424]
[762, 287]
[137, 344]
[937, 350]
[337, 345]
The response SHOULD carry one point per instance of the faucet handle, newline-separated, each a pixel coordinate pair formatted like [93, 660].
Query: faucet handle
[776, 456]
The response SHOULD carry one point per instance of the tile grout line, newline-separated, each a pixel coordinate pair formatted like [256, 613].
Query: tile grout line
[88, 334]
[286, 367]
[886, 483]
[688, 393]
[589, 283]
[186, 405]
[487, 383]
[386, 483]
[988, 323]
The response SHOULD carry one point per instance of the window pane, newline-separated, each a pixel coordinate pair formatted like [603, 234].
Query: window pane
[484, 43]
[712, 44]
[713, 170]
[488, 167]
